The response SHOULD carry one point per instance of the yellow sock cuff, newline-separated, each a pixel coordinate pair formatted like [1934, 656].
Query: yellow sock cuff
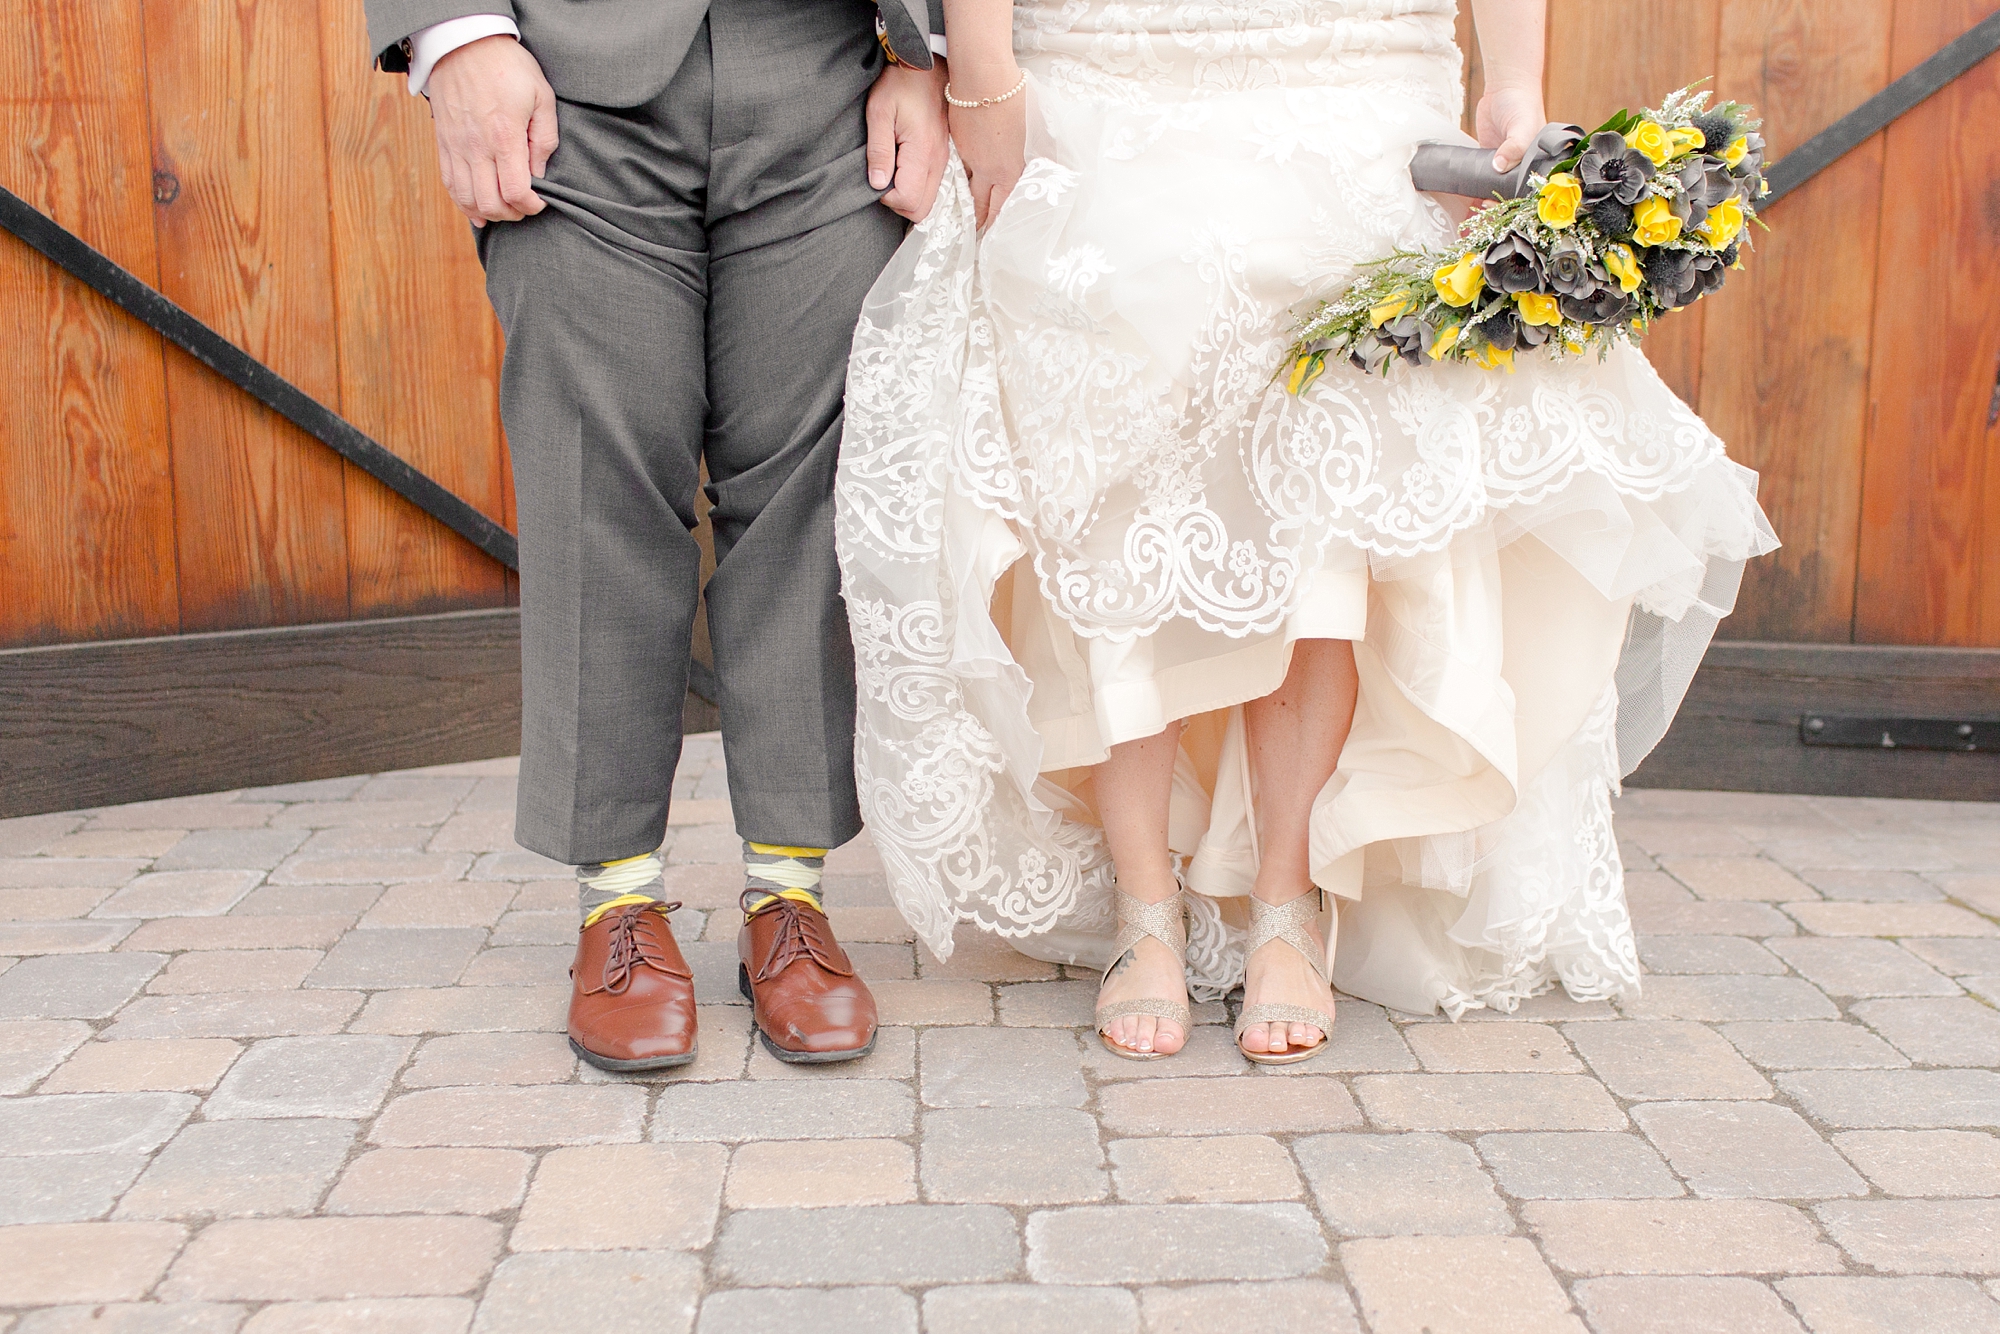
[622, 901]
[779, 850]
[805, 896]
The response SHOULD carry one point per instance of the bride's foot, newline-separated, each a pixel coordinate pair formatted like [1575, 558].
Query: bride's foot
[1142, 1010]
[1287, 1000]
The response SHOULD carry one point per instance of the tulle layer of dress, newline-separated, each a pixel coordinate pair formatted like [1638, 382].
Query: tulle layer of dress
[1074, 506]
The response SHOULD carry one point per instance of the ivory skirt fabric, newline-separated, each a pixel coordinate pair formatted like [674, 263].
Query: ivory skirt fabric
[1074, 506]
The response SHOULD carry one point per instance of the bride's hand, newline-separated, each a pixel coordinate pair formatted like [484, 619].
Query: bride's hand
[992, 140]
[1508, 121]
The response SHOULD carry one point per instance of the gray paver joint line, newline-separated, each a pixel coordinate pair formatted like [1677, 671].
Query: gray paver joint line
[302, 1048]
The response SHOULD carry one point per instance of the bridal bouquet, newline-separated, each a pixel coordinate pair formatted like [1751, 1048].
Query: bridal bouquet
[1609, 231]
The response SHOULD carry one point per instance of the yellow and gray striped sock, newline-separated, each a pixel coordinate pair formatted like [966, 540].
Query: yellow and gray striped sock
[602, 886]
[779, 871]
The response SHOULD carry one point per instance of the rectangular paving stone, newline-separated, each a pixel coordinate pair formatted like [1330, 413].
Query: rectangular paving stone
[1250, 1308]
[238, 1014]
[1678, 1237]
[1890, 919]
[651, 1291]
[933, 1003]
[1858, 1305]
[1172, 1243]
[308, 931]
[218, 810]
[1000, 1067]
[773, 1174]
[1363, 1042]
[148, 843]
[1862, 967]
[1707, 954]
[87, 1123]
[475, 831]
[1957, 956]
[1662, 1058]
[26, 835]
[1577, 1165]
[1925, 1162]
[894, 1057]
[548, 927]
[236, 1169]
[189, 1065]
[667, 1198]
[368, 1315]
[52, 1263]
[1754, 1150]
[1873, 886]
[898, 1244]
[984, 1307]
[1021, 1156]
[461, 903]
[69, 872]
[977, 957]
[135, 1318]
[30, 1048]
[1491, 1048]
[1070, 1004]
[1231, 1105]
[432, 1181]
[1897, 1099]
[1812, 1044]
[1683, 1305]
[49, 905]
[1698, 838]
[831, 1108]
[338, 1074]
[1494, 1283]
[202, 971]
[1917, 1236]
[465, 1010]
[1711, 919]
[230, 849]
[68, 1189]
[871, 1310]
[381, 866]
[1958, 1031]
[1400, 1185]
[74, 986]
[275, 1259]
[19, 938]
[374, 814]
[308, 901]
[1488, 1102]
[1721, 998]
[1748, 877]
[180, 894]
[1553, 1006]
[370, 959]
[1220, 1169]
[523, 1117]
[720, 1054]
[515, 864]
[492, 1058]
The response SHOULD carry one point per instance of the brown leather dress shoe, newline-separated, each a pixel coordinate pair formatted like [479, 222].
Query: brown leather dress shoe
[810, 1006]
[631, 1004]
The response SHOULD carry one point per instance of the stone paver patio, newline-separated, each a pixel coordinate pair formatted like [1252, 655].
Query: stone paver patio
[291, 1059]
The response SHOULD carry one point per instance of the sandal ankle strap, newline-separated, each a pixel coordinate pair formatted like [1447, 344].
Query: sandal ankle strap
[1288, 922]
[1165, 921]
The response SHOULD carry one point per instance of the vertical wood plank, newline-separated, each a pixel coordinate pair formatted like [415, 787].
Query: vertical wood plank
[1475, 69]
[86, 509]
[1604, 56]
[1785, 367]
[419, 345]
[234, 86]
[1930, 509]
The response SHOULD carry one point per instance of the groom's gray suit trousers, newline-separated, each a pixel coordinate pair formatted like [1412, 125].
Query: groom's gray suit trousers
[690, 293]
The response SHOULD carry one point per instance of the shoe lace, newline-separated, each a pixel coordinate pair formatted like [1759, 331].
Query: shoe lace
[802, 933]
[634, 941]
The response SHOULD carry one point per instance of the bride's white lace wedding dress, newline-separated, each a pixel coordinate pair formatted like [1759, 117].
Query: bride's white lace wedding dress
[1074, 506]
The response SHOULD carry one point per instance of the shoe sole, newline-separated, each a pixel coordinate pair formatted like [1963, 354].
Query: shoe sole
[785, 1054]
[618, 1067]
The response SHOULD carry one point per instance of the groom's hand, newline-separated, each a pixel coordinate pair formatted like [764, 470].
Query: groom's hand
[495, 117]
[908, 144]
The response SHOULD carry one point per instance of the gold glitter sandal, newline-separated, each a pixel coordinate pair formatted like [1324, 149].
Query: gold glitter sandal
[1290, 922]
[1166, 922]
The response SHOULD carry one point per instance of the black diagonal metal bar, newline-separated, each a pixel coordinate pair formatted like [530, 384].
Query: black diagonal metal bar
[253, 377]
[1858, 126]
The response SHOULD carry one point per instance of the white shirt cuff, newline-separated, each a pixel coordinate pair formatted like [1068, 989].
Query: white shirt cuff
[432, 44]
[938, 46]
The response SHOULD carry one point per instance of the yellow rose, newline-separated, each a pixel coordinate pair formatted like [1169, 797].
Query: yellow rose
[1684, 141]
[1624, 266]
[1538, 309]
[1447, 339]
[1305, 370]
[1654, 222]
[1460, 284]
[1560, 199]
[1382, 312]
[1575, 348]
[1651, 139]
[1493, 358]
[1739, 148]
[1724, 224]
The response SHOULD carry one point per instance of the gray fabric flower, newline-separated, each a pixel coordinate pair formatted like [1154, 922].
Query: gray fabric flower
[1369, 353]
[1405, 337]
[1512, 265]
[1611, 169]
[1710, 272]
[1510, 333]
[1568, 267]
[1672, 276]
[1691, 204]
[1602, 305]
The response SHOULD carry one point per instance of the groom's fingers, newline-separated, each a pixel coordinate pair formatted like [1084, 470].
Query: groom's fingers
[921, 154]
[881, 142]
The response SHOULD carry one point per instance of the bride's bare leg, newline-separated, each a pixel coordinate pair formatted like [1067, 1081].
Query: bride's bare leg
[1295, 736]
[1133, 787]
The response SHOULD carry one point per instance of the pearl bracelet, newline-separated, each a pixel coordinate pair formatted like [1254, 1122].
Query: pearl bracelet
[985, 101]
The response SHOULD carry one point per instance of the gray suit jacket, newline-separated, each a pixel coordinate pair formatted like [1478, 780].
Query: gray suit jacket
[613, 53]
